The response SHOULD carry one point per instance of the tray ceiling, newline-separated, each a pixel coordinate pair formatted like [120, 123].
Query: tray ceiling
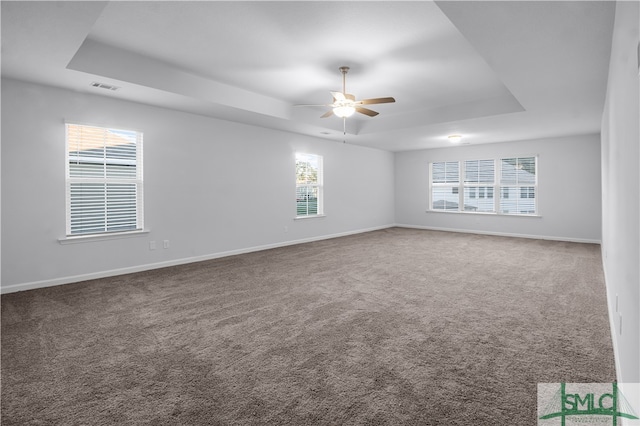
[491, 71]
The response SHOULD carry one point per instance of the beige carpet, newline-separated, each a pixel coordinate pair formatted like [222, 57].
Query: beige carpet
[394, 327]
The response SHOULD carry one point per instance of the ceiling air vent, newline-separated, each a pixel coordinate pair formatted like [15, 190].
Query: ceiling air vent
[104, 86]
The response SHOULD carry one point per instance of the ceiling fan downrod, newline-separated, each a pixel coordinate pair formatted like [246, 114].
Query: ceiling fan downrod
[344, 71]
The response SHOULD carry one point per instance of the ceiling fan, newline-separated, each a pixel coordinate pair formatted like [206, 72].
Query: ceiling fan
[345, 104]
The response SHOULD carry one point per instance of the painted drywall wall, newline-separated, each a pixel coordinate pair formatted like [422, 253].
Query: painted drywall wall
[621, 191]
[210, 187]
[568, 189]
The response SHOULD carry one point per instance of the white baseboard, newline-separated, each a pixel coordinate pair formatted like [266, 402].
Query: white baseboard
[612, 323]
[501, 234]
[139, 268]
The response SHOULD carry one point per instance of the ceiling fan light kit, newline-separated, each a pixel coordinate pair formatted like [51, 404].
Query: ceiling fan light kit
[344, 111]
[345, 104]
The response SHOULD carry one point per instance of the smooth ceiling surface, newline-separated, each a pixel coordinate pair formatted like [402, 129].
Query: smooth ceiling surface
[491, 71]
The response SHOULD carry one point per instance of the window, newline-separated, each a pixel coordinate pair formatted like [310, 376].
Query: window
[103, 180]
[518, 177]
[445, 177]
[308, 185]
[478, 175]
[514, 181]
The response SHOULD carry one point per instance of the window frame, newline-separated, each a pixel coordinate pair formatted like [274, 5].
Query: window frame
[478, 190]
[452, 186]
[105, 179]
[519, 186]
[497, 188]
[318, 186]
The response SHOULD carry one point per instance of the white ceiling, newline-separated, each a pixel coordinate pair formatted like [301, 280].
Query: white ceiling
[491, 71]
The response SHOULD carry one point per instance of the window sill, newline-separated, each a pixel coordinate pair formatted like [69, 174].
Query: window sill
[101, 237]
[309, 217]
[484, 213]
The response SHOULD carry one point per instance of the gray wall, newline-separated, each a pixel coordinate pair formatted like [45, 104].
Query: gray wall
[568, 189]
[621, 190]
[211, 187]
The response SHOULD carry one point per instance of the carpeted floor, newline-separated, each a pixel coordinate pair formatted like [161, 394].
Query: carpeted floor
[394, 327]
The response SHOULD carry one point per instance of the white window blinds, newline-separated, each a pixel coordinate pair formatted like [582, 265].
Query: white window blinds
[445, 182]
[505, 186]
[479, 183]
[519, 185]
[104, 180]
[309, 197]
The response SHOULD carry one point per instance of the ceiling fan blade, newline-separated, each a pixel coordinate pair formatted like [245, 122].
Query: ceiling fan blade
[366, 111]
[376, 101]
[327, 114]
[338, 96]
[350, 96]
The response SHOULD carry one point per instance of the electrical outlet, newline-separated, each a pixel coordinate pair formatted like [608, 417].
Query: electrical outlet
[165, 244]
[286, 229]
[152, 245]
